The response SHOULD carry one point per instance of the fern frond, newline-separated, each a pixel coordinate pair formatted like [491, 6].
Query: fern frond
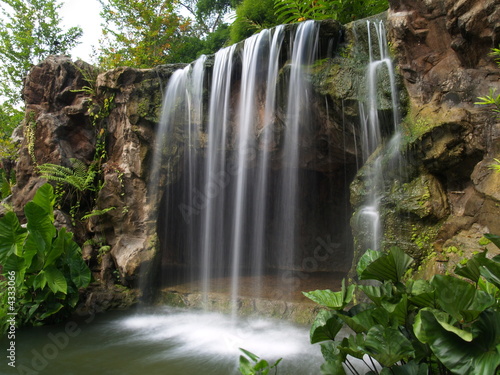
[96, 212]
[80, 176]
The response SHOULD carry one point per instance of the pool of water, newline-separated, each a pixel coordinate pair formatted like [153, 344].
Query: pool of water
[164, 341]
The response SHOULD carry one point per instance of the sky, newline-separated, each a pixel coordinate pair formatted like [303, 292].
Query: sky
[83, 13]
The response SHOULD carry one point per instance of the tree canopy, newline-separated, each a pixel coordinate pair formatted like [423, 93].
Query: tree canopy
[29, 31]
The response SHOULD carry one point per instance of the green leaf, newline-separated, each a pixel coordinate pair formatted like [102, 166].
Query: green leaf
[40, 221]
[388, 345]
[333, 367]
[422, 294]
[493, 238]
[58, 247]
[325, 327]
[55, 280]
[12, 236]
[459, 298]
[45, 199]
[332, 300]
[368, 257]
[479, 356]
[377, 293]
[250, 355]
[386, 267]
[354, 345]
[471, 269]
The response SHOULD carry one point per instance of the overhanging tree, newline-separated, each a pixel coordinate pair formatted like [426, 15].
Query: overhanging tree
[140, 33]
[29, 31]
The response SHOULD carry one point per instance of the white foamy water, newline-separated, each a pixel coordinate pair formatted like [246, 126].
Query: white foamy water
[218, 336]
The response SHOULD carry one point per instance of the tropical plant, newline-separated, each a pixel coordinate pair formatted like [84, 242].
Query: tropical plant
[258, 367]
[442, 326]
[47, 263]
[251, 17]
[71, 183]
[344, 11]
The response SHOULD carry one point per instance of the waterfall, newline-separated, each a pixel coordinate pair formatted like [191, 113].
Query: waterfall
[371, 128]
[245, 209]
[232, 154]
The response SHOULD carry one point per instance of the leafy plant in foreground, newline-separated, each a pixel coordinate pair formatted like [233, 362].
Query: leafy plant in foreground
[446, 325]
[47, 263]
[260, 366]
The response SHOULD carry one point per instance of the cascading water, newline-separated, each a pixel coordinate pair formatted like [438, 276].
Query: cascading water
[231, 206]
[371, 127]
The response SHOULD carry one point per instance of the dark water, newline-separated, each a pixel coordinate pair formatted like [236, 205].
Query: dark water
[162, 341]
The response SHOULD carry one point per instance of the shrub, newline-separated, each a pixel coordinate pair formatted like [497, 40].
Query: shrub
[442, 326]
[46, 263]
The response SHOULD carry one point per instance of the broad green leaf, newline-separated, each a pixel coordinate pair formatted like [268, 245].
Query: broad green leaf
[34, 251]
[332, 300]
[12, 236]
[325, 327]
[58, 247]
[477, 357]
[368, 257]
[39, 221]
[493, 238]
[387, 345]
[45, 199]
[40, 281]
[422, 294]
[245, 367]
[459, 298]
[354, 345]
[378, 293]
[332, 367]
[398, 312]
[490, 276]
[364, 320]
[55, 280]
[250, 355]
[471, 269]
[79, 272]
[387, 267]
[15, 263]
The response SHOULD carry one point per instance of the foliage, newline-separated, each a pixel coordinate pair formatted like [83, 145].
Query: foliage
[48, 266]
[71, 183]
[208, 14]
[29, 32]
[252, 16]
[140, 33]
[344, 11]
[441, 326]
[490, 99]
[260, 366]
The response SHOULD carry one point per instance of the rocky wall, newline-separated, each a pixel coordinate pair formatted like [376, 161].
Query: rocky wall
[446, 196]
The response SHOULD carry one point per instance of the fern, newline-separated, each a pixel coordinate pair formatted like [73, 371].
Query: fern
[80, 176]
[96, 212]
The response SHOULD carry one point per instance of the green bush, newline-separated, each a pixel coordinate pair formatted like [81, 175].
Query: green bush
[251, 17]
[441, 326]
[45, 262]
[344, 11]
